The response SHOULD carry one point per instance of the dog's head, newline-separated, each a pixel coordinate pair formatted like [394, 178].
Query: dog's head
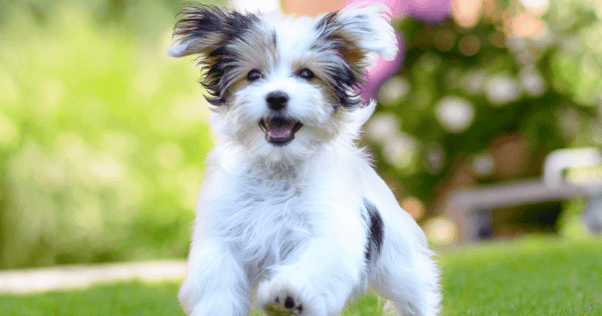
[282, 87]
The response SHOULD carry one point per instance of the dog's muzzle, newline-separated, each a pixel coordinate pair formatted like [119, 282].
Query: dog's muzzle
[279, 131]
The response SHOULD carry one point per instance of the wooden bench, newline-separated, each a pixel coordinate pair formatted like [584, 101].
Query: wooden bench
[464, 205]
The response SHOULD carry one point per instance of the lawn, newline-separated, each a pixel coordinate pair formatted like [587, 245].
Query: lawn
[530, 276]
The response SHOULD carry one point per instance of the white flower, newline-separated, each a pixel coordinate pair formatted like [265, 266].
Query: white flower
[381, 126]
[502, 89]
[455, 114]
[532, 82]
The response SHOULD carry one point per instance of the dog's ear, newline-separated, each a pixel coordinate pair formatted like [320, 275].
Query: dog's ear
[359, 31]
[203, 29]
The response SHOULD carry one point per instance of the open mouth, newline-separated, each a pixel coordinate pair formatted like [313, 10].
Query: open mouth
[278, 130]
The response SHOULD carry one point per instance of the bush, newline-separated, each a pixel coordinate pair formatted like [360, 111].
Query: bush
[102, 136]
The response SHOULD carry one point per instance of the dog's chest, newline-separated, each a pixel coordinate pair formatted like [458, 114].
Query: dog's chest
[266, 221]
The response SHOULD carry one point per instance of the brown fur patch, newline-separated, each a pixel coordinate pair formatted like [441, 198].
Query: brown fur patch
[255, 49]
[315, 61]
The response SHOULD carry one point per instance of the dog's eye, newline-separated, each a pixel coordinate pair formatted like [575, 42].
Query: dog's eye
[254, 75]
[306, 74]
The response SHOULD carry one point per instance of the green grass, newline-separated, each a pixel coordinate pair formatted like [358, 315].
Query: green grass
[534, 276]
[133, 298]
[531, 276]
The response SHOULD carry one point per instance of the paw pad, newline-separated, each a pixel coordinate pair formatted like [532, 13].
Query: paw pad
[286, 308]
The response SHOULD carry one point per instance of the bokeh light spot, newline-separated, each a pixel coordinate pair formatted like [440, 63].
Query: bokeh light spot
[169, 155]
[483, 164]
[381, 126]
[393, 90]
[400, 150]
[455, 114]
[8, 131]
[502, 89]
[414, 207]
[445, 40]
[441, 231]
[467, 12]
[469, 45]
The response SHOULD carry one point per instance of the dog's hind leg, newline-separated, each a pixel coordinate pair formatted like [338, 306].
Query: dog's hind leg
[412, 291]
[406, 274]
[411, 286]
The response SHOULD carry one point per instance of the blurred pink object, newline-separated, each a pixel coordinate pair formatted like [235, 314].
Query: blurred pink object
[425, 10]
[398, 8]
[429, 11]
[381, 71]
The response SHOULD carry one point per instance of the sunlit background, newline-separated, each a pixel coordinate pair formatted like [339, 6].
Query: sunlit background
[103, 137]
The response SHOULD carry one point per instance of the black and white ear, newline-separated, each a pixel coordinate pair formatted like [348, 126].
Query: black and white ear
[205, 28]
[362, 30]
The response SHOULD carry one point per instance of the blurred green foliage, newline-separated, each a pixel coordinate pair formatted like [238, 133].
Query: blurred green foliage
[102, 136]
[461, 89]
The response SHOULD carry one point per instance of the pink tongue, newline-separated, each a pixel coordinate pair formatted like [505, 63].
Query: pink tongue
[279, 128]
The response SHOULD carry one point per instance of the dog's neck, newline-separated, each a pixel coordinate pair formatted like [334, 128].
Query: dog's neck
[301, 170]
[297, 170]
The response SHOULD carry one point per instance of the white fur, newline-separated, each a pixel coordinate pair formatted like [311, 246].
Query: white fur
[289, 221]
[379, 36]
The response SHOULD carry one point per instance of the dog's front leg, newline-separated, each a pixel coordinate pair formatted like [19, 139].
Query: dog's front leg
[321, 280]
[215, 282]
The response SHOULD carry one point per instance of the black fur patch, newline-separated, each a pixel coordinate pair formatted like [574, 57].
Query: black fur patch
[221, 61]
[274, 39]
[345, 83]
[376, 231]
[213, 27]
[346, 74]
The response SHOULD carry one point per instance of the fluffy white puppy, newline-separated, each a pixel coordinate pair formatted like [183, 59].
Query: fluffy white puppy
[291, 215]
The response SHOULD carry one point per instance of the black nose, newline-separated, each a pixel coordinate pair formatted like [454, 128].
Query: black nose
[277, 100]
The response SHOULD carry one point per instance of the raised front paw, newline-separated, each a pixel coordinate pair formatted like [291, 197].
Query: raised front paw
[284, 305]
[282, 296]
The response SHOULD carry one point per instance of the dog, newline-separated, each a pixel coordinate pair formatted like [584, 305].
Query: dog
[291, 216]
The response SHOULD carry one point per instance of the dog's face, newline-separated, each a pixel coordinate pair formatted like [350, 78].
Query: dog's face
[282, 86]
